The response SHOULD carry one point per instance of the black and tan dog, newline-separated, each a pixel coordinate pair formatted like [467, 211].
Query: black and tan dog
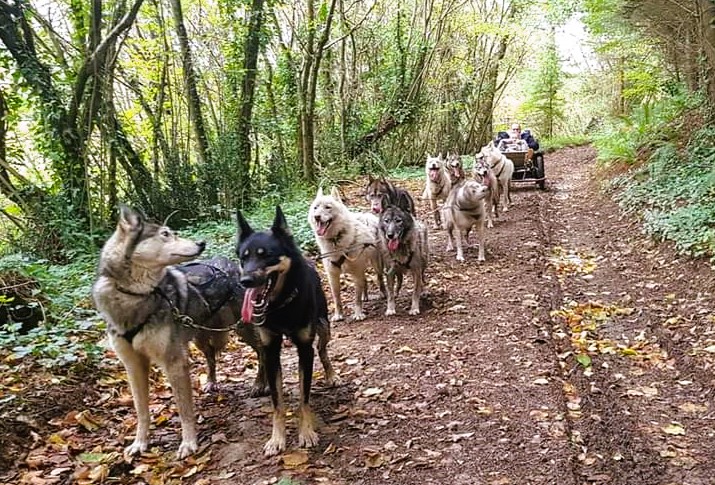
[404, 240]
[284, 296]
[380, 192]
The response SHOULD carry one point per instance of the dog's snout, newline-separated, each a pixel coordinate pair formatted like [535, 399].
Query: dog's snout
[248, 281]
[201, 245]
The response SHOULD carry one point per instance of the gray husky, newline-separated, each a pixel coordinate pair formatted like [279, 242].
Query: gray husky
[406, 250]
[153, 309]
[463, 210]
[485, 176]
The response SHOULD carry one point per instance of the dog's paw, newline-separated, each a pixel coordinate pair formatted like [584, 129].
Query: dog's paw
[333, 381]
[337, 317]
[274, 446]
[359, 316]
[460, 258]
[490, 224]
[307, 438]
[414, 311]
[389, 312]
[136, 448]
[259, 390]
[186, 448]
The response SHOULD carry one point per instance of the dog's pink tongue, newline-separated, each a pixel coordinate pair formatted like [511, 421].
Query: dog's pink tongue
[247, 308]
[393, 244]
[322, 227]
[434, 175]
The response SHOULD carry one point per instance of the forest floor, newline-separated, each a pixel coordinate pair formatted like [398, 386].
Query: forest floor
[580, 352]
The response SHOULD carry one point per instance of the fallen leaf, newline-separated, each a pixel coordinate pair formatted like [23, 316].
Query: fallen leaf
[374, 460]
[583, 359]
[404, 349]
[541, 381]
[294, 459]
[372, 391]
[674, 429]
[690, 407]
[87, 420]
[461, 436]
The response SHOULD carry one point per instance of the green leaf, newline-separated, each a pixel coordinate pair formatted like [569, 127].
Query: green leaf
[584, 359]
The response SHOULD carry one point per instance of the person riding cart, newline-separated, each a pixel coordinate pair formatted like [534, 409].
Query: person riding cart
[523, 150]
[516, 140]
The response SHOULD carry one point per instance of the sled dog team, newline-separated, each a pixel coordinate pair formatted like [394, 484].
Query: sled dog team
[156, 297]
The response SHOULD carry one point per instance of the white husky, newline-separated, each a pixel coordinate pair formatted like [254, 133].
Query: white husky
[502, 167]
[349, 244]
[437, 184]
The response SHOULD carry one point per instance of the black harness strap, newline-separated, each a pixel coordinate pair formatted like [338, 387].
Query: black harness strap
[503, 165]
[130, 334]
[339, 263]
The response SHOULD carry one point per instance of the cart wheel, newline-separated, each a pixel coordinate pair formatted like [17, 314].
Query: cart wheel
[540, 171]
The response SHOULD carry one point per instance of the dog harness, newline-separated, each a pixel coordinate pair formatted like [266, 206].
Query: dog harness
[503, 165]
[338, 263]
[200, 288]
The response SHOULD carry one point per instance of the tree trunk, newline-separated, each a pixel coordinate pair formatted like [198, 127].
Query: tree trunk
[707, 31]
[248, 88]
[192, 92]
[308, 85]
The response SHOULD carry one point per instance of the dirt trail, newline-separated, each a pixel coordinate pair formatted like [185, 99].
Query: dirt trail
[487, 386]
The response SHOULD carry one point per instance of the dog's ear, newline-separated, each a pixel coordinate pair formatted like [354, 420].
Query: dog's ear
[440, 155]
[335, 194]
[370, 179]
[403, 202]
[429, 155]
[280, 225]
[129, 219]
[320, 192]
[244, 229]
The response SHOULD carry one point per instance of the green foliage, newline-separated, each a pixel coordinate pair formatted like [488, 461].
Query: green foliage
[545, 104]
[70, 332]
[55, 233]
[563, 141]
[675, 193]
[647, 127]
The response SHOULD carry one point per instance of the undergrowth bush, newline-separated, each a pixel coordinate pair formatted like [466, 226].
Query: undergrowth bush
[674, 193]
[647, 127]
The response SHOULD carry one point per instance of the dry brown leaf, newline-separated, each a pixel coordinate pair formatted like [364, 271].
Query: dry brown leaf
[295, 459]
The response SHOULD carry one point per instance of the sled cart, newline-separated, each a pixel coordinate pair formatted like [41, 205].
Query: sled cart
[528, 167]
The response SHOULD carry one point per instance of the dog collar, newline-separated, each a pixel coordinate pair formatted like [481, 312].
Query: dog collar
[260, 318]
